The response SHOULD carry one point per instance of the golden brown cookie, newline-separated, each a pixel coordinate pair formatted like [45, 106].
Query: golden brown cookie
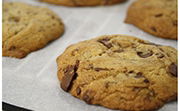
[120, 72]
[83, 2]
[28, 28]
[158, 17]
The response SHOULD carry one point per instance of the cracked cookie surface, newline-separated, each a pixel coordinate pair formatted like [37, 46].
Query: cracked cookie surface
[28, 28]
[157, 17]
[120, 72]
[83, 2]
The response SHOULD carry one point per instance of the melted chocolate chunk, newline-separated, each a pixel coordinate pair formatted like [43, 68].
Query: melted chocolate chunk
[139, 75]
[131, 71]
[99, 69]
[175, 22]
[145, 55]
[173, 69]
[146, 80]
[154, 29]
[14, 19]
[159, 55]
[159, 15]
[78, 90]
[105, 42]
[86, 97]
[69, 75]
[106, 84]
[12, 48]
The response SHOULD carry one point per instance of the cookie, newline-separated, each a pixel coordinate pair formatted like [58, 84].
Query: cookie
[28, 28]
[157, 17]
[83, 2]
[119, 72]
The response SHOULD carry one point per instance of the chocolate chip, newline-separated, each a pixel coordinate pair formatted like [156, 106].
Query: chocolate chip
[173, 69]
[99, 69]
[108, 45]
[105, 39]
[69, 75]
[15, 33]
[105, 42]
[87, 98]
[131, 71]
[139, 75]
[175, 22]
[12, 48]
[78, 90]
[106, 84]
[154, 29]
[14, 19]
[146, 80]
[145, 54]
[159, 15]
[53, 17]
[159, 55]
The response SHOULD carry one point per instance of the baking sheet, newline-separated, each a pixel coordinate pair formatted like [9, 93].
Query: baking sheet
[32, 82]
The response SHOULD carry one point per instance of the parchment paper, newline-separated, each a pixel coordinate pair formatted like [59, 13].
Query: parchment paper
[32, 82]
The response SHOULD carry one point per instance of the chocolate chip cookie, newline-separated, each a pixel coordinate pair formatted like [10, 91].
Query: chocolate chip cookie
[157, 17]
[28, 28]
[120, 72]
[83, 2]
